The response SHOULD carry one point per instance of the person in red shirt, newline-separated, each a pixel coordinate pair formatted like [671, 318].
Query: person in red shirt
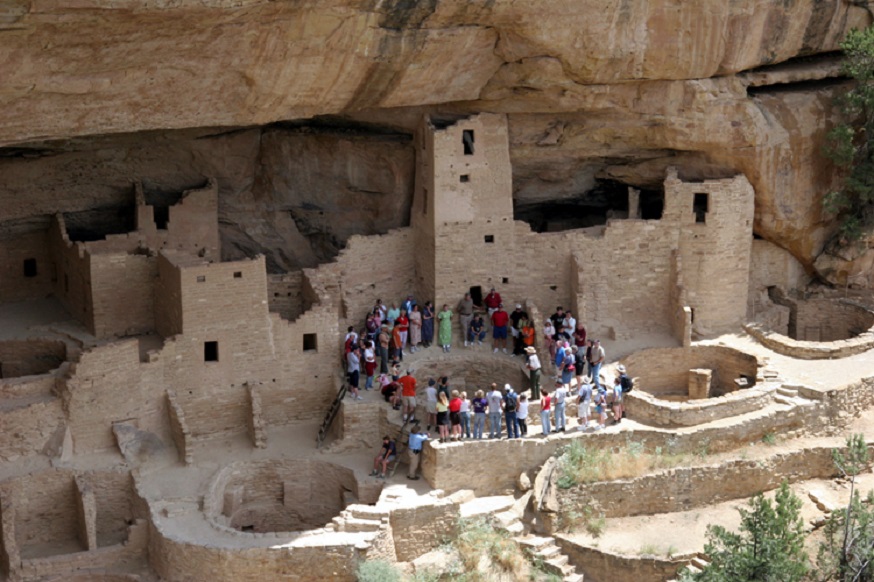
[408, 395]
[455, 415]
[500, 319]
[492, 301]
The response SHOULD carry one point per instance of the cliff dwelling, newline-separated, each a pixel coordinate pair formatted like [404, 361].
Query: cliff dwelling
[190, 253]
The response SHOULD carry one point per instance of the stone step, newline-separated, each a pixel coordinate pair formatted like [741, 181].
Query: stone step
[533, 542]
[515, 528]
[788, 392]
[575, 577]
[366, 512]
[783, 400]
[351, 524]
[556, 565]
[548, 552]
[505, 518]
[699, 563]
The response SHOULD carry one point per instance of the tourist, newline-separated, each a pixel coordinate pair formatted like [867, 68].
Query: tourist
[369, 365]
[387, 454]
[545, 401]
[350, 340]
[522, 415]
[627, 386]
[403, 322]
[455, 415]
[477, 330]
[549, 339]
[384, 338]
[580, 336]
[584, 401]
[443, 422]
[427, 325]
[557, 319]
[590, 347]
[516, 319]
[431, 403]
[568, 325]
[598, 357]
[353, 362]
[443, 386]
[534, 370]
[511, 403]
[415, 329]
[416, 442]
[567, 367]
[465, 415]
[397, 345]
[445, 332]
[496, 399]
[371, 327]
[465, 316]
[559, 405]
[408, 393]
[600, 400]
[393, 313]
[408, 304]
[390, 390]
[527, 332]
[380, 309]
[617, 400]
[500, 319]
[492, 301]
[479, 404]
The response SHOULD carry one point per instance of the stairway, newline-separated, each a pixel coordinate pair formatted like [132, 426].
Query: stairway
[544, 550]
[331, 415]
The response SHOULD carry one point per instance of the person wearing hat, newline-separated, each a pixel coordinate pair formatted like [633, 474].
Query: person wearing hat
[598, 357]
[534, 370]
[584, 402]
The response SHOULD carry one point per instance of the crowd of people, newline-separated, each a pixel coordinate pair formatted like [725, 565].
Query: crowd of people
[377, 351]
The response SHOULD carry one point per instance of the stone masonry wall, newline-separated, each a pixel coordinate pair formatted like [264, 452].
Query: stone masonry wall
[30, 357]
[825, 320]
[123, 296]
[14, 251]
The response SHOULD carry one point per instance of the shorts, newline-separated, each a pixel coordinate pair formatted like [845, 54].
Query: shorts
[353, 379]
[455, 418]
[500, 332]
[443, 418]
[583, 408]
[409, 401]
[431, 407]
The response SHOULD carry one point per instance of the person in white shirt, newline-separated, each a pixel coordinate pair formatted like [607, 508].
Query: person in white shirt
[431, 404]
[522, 415]
[534, 371]
[584, 401]
[495, 399]
[559, 405]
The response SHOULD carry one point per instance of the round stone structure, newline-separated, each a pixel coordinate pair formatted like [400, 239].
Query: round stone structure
[30, 357]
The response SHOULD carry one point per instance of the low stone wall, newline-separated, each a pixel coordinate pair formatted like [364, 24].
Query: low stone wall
[648, 409]
[601, 566]
[470, 372]
[807, 350]
[663, 371]
[30, 357]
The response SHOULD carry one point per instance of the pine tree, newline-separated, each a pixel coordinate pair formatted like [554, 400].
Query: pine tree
[768, 548]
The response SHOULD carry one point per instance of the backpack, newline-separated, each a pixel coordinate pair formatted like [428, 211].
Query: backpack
[626, 383]
[511, 403]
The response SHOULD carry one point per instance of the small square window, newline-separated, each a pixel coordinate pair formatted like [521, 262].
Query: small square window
[201, 278]
[490, 238]
[310, 342]
[210, 352]
[464, 178]
[700, 207]
[30, 267]
[505, 280]
[238, 274]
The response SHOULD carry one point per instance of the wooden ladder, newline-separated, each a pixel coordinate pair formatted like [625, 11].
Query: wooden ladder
[331, 415]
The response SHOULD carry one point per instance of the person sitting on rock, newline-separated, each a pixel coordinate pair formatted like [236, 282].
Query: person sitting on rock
[476, 331]
[386, 455]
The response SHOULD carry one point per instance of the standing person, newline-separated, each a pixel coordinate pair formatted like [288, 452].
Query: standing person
[431, 403]
[559, 403]
[465, 315]
[455, 415]
[369, 365]
[408, 394]
[403, 322]
[479, 414]
[443, 386]
[516, 319]
[443, 422]
[534, 371]
[545, 402]
[384, 338]
[371, 326]
[387, 454]
[511, 403]
[397, 343]
[392, 314]
[598, 357]
[500, 319]
[600, 399]
[445, 333]
[527, 332]
[496, 399]
[415, 328]
[477, 330]
[584, 401]
[353, 363]
[408, 304]
[522, 415]
[415, 444]
[549, 338]
[427, 325]
[567, 367]
[569, 325]
[465, 415]
[492, 301]
[380, 309]
[617, 400]
[590, 347]
[580, 336]
[557, 320]
[627, 385]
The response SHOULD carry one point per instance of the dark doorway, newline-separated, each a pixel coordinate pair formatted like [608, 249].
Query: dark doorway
[30, 267]
[476, 293]
[652, 204]
[162, 216]
[700, 207]
[210, 352]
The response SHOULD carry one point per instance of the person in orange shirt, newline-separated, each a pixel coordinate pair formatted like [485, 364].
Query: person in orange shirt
[527, 332]
[408, 395]
[397, 342]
